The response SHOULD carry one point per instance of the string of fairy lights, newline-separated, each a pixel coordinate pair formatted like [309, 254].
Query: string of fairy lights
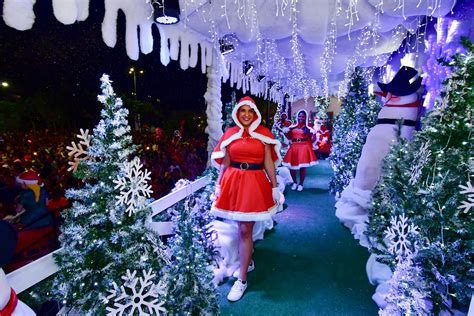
[329, 51]
[289, 75]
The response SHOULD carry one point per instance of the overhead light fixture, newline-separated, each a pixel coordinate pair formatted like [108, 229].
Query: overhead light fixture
[165, 11]
[247, 67]
[227, 44]
[260, 78]
[226, 48]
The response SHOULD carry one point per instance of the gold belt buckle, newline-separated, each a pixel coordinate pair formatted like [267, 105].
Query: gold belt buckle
[244, 166]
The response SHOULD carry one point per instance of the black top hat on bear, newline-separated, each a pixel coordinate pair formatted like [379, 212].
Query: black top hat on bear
[406, 81]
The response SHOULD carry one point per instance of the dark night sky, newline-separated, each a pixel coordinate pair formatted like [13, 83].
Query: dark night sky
[70, 59]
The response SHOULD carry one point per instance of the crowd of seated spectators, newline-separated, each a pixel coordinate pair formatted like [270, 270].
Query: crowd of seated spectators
[168, 158]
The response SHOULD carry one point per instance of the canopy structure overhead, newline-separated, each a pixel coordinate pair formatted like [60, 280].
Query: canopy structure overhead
[309, 46]
[297, 47]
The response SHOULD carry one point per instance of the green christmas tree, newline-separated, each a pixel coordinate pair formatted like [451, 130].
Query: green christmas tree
[320, 105]
[358, 115]
[229, 106]
[430, 180]
[192, 291]
[190, 275]
[110, 262]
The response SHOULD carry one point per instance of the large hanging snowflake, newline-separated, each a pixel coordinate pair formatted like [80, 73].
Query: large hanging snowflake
[468, 190]
[397, 236]
[133, 186]
[421, 159]
[79, 151]
[142, 298]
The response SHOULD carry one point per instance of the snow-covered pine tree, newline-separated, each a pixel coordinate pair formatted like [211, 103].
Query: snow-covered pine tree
[430, 180]
[229, 106]
[358, 115]
[190, 274]
[320, 106]
[105, 240]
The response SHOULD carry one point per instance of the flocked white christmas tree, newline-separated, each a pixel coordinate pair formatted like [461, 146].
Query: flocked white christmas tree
[105, 239]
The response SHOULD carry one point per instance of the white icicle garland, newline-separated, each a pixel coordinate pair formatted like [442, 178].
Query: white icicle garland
[71, 11]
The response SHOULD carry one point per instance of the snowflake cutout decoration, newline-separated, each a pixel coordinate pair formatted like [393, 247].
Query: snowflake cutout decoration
[468, 190]
[137, 294]
[421, 159]
[79, 151]
[397, 236]
[134, 187]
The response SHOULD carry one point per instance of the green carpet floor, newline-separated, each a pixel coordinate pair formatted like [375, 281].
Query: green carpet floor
[309, 264]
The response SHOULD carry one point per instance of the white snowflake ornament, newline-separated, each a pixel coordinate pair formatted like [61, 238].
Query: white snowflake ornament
[79, 151]
[137, 295]
[468, 190]
[134, 187]
[397, 236]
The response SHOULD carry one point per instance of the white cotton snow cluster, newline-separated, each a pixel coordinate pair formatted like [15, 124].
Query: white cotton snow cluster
[71, 11]
[19, 14]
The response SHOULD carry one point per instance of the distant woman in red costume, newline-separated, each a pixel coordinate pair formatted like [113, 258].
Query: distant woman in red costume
[301, 154]
[247, 190]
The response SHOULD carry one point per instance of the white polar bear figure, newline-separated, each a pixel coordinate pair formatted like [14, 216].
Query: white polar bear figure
[401, 104]
[9, 303]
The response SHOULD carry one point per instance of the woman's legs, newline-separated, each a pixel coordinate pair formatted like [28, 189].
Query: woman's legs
[245, 247]
[293, 175]
[302, 175]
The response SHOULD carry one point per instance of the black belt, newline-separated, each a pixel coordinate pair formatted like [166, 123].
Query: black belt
[246, 165]
[299, 140]
[396, 122]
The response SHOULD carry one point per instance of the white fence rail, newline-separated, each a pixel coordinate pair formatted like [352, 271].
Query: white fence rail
[38, 270]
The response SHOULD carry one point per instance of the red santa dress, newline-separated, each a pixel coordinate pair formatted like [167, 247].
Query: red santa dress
[300, 154]
[324, 142]
[246, 195]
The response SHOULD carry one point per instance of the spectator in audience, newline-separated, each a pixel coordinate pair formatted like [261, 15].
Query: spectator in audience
[32, 201]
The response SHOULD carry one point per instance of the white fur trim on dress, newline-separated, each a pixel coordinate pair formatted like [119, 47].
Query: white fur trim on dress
[301, 165]
[264, 139]
[245, 216]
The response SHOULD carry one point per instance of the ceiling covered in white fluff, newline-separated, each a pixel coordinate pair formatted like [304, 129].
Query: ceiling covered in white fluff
[306, 47]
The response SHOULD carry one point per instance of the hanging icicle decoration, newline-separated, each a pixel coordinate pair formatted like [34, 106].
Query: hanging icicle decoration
[329, 52]
[351, 13]
[281, 6]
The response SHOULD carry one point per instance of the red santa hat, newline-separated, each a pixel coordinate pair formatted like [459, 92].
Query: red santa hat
[29, 177]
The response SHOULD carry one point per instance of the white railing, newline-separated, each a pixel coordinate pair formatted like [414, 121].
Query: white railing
[38, 270]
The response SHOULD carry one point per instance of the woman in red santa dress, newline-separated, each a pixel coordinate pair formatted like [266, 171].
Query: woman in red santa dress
[247, 190]
[323, 138]
[301, 154]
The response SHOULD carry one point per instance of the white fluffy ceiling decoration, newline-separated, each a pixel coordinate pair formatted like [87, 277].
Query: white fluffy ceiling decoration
[304, 47]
